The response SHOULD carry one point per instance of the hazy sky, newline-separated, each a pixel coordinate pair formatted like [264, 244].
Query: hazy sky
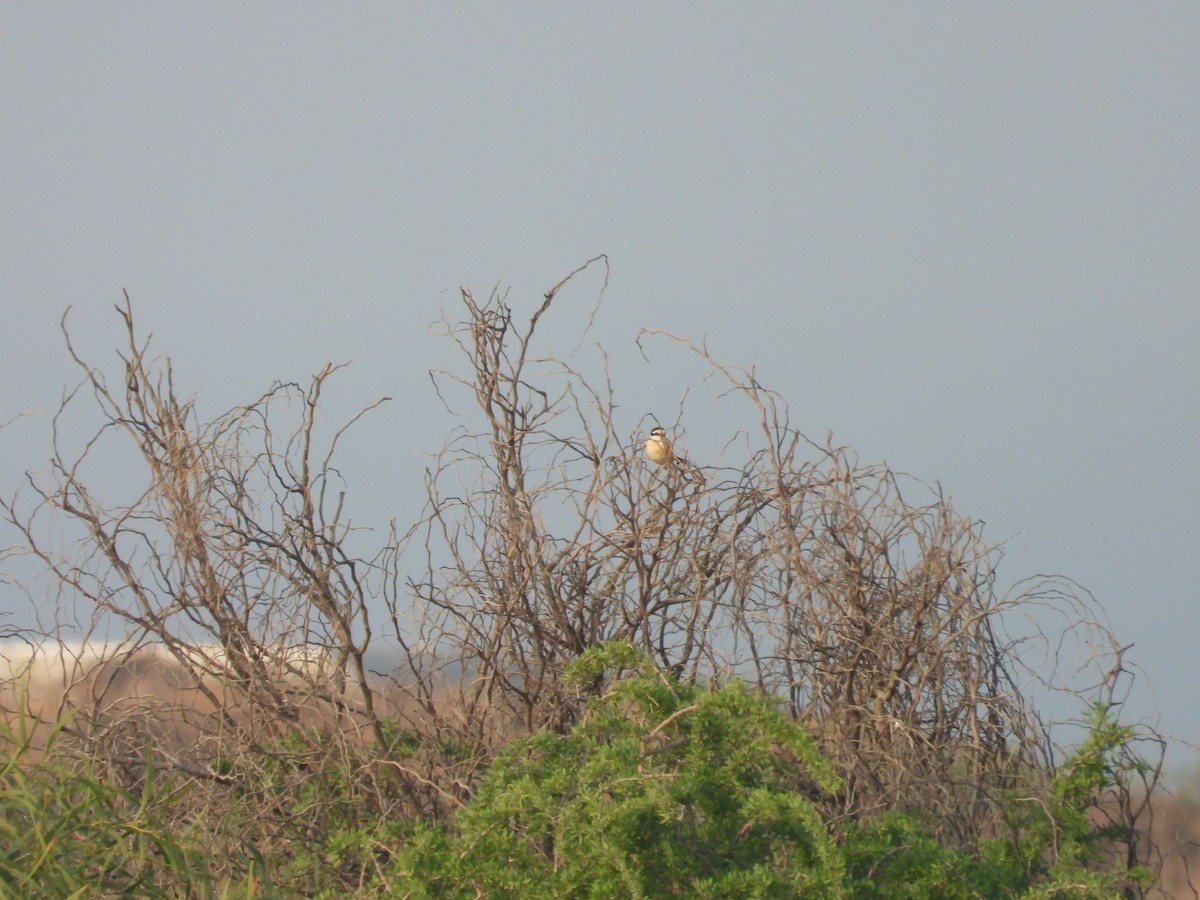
[963, 238]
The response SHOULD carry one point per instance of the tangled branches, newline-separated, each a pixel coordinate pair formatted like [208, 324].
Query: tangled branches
[874, 616]
[855, 597]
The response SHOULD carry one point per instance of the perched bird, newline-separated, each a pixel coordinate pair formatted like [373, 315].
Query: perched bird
[658, 451]
[658, 448]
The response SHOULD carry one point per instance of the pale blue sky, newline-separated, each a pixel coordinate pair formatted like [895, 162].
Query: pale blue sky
[963, 238]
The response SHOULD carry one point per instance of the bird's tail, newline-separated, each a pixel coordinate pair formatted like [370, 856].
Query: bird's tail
[689, 469]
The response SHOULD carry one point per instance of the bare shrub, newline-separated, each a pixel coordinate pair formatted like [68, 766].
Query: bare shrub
[229, 572]
[855, 595]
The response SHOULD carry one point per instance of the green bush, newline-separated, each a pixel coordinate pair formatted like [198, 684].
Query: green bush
[660, 789]
[663, 789]
[1053, 841]
[64, 832]
[330, 822]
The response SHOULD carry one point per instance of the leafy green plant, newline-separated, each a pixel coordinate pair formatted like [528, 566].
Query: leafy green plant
[668, 789]
[896, 857]
[319, 808]
[1055, 841]
[64, 832]
[661, 788]
[1054, 848]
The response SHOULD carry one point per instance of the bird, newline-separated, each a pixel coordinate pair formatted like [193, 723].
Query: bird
[658, 448]
[660, 452]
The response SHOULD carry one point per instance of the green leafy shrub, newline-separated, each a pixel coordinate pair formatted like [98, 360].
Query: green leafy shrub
[664, 789]
[64, 832]
[661, 788]
[1054, 841]
[1053, 849]
[895, 857]
[331, 822]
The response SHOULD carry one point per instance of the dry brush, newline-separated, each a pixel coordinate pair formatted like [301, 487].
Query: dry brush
[856, 596]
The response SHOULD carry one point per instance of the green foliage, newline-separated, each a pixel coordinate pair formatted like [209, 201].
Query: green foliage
[327, 833]
[1053, 841]
[665, 789]
[66, 833]
[1053, 849]
[894, 856]
[661, 788]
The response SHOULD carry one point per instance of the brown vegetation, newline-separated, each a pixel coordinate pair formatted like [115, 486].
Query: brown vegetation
[857, 596]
